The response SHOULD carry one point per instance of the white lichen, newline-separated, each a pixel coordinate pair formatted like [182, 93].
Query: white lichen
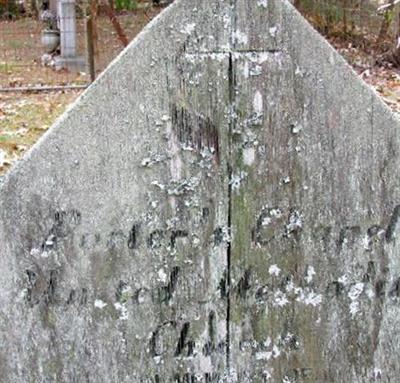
[377, 374]
[262, 3]
[274, 270]
[98, 303]
[366, 242]
[50, 240]
[309, 297]
[249, 155]
[181, 187]
[240, 37]
[295, 222]
[264, 355]
[280, 299]
[297, 128]
[237, 179]
[123, 310]
[258, 103]
[310, 274]
[267, 375]
[272, 31]
[162, 276]
[188, 29]
[370, 293]
[149, 161]
[158, 184]
[275, 352]
[354, 293]
[141, 297]
[34, 252]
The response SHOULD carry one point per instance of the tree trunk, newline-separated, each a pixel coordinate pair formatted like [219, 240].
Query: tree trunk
[345, 4]
[385, 24]
[94, 10]
[117, 26]
[396, 51]
[297, 3]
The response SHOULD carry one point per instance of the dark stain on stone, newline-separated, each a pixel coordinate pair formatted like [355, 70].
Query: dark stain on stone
[223, 286]
[261, 294]
[119, 294]
[299, 374]
[41, 288]
[335, 289]
[380, 288]
[165, 293]
[205, 214]
[212, 377]
[32, 277]
[187, 378]
[373, 230]
[117, 238]
[84, 295]
[370, 275]
[293, 343]
[182, 339]
[195, 130]
[133, 236]
[211, 326]
[348, 235]
[395, 289]
[82, 243]
[191, 345]
[177, 234]
[155, 337]
[244, 284]
[153, 343]
[71, 297]
[268, 225]
[155, 238]
[218, 236]
[392, 224]
[51, 287]
[207, 348]
[64, 221]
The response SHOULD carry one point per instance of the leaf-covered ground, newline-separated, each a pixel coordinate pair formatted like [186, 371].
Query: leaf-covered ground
[24, 118]
[383, 77]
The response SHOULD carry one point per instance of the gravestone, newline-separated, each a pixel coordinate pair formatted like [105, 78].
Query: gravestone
[221, 205]
[69, 59]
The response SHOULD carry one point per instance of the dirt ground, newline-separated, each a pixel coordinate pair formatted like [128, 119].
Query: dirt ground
[24, 117]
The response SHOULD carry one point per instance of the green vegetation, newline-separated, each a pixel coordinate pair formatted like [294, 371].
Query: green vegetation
[126, 5]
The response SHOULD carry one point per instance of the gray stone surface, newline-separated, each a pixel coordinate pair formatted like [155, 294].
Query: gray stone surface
[221, 205]
[76, 64]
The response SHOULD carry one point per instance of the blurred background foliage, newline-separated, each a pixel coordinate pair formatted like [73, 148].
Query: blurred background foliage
[371, 24]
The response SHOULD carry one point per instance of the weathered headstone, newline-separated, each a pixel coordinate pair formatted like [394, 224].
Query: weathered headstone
[69, 58]
[221, 205]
